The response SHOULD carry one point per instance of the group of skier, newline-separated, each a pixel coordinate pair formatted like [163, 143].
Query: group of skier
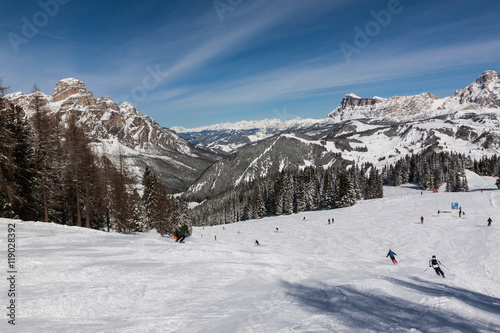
[460, 213]
[180, 233]
[434, 263]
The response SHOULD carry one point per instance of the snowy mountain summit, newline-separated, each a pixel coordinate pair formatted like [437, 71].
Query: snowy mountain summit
[122, 129]
[481, 96]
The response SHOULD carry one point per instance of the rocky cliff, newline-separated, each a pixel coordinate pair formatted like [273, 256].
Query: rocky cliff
[123, 129]
[481, 96]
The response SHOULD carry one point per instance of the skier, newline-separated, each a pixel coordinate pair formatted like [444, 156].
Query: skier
[434, 263]
[421, 219]
[184, 231]
[392, 254]
[328, 221]
[439, 212]
[257, 242]
[177, 234]
[276, 229]
[333, 220]
[489, 221]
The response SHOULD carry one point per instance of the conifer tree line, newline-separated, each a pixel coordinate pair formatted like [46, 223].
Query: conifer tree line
[49, 172]
[487, 166]
[291, 192]
[430, 170]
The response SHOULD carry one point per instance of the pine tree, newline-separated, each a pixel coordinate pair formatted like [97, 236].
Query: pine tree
[330, 189]
[346, 195]
[149, 189]
[279, 194]
[22, 160]
[45, 156]
[82, 183]
[8, 194]
[288, 193]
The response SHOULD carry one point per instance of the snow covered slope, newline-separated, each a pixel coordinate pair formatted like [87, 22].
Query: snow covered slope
[307, 277]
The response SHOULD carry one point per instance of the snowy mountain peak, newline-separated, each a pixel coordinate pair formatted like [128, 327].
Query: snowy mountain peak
[353, 95]
[123, 130]
[481, 96]
[488, 76]
[485, 91]
[128, 108]
[265, 124]
[66, 88]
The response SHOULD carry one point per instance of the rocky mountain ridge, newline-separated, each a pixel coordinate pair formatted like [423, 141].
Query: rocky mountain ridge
[375, 130]
[122, 129]
[481, 96]
[351, 141]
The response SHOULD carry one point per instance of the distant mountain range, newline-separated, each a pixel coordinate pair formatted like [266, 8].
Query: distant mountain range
[374, 130]
[123, 130]
[480, 97]
[208, 160]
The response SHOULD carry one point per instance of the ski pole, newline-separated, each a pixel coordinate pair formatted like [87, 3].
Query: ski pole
[426, 269]
[445, 266]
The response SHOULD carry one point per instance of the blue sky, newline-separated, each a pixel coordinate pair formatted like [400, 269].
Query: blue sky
[195, 63]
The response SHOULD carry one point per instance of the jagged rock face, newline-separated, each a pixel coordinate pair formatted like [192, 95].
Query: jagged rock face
[109, 124]
[69, 87]
[397, 107]
[354, 101]
[484, 92]
[481, 96]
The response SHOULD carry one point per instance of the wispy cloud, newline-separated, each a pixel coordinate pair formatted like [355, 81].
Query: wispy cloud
[291, 82]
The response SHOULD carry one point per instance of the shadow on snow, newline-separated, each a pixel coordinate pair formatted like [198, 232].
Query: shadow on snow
[377, 311]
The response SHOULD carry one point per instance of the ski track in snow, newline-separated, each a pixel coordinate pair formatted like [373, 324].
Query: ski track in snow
[307, 277]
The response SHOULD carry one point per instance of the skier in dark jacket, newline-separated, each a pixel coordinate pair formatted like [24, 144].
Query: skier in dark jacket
[184, 231]
[392, 254]
[489, 221]
[434, 263]
[177, 234]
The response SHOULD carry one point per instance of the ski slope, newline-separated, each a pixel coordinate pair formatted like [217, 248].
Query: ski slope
[306, 277]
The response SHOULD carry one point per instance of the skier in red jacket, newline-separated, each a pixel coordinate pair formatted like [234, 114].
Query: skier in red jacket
[392, 254]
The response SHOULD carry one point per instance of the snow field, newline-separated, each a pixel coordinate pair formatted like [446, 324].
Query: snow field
[307, 277]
